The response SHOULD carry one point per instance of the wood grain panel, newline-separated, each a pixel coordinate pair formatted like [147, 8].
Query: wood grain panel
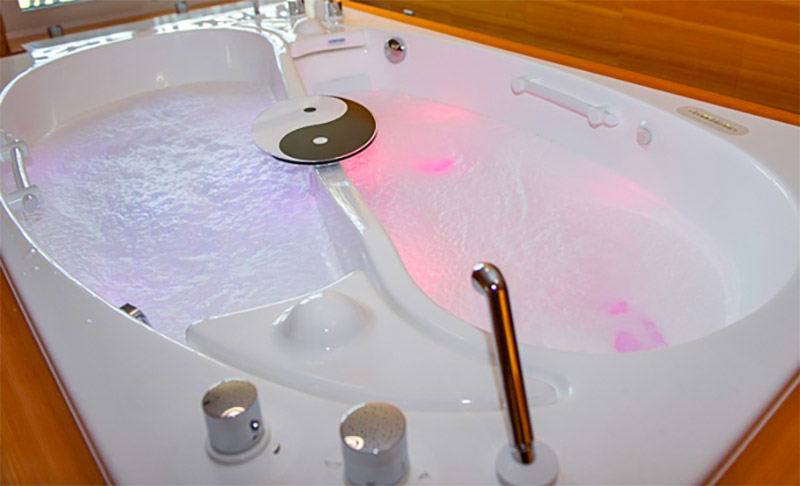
[666, 56]
[39, 440]
[765, 66]
[4, 48]
[592, 27]
[770, 19]
[746, 49]
[773, 457]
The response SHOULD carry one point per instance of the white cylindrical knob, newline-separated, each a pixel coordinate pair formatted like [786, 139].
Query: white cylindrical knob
[374, 444]
[233, 416]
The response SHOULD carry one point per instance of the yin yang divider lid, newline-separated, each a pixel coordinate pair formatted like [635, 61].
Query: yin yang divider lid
[314, 129]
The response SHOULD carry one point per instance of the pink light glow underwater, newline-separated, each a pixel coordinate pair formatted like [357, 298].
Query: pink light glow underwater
[620, 307]
[436, 166]
[626, 342]
[642, 335]
[439, 112]
[452, 188]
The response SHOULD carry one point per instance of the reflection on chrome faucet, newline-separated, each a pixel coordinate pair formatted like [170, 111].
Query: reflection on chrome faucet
[332, 16]
[488, 280]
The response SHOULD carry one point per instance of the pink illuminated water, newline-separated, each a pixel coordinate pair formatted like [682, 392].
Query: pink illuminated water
[164, 201]
[593, 261]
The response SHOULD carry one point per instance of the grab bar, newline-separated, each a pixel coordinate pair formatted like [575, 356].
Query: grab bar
[488, 280]
[597, 115]
[27, 195]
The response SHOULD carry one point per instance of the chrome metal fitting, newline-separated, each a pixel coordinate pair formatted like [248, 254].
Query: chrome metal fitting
[233, 417]
[374, 444]
[332, 16]
[181, 7]
[395, 50]
[26, 196]
[134, 312]
[296, 8]
[54, 31]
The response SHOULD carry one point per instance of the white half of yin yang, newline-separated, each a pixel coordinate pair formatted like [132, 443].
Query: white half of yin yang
[284, 117]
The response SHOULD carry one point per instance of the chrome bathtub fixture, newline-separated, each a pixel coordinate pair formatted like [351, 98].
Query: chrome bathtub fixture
[374, 444]
[26, 196]
[488, 280]
[54, 31]
[256, 7]
[395, 50]
[523, 461]
[332, 15]
[297, 9]
[134, 312]
[233, 419]
[181, 7]
[597, 115]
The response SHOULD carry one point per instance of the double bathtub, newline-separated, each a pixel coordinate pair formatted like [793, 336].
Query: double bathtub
[651, 257]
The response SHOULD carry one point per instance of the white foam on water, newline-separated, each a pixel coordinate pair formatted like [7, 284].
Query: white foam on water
[164, 201]
[593, 262]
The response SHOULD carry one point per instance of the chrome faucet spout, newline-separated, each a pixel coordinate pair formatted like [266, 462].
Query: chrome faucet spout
[332, 16]
[488, 280]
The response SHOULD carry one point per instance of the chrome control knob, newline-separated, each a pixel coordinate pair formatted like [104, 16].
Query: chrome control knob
[233, 417]
[374, 444]
[395, 50]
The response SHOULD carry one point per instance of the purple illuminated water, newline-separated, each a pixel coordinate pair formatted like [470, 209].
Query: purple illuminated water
[164, 201]
[593, 261]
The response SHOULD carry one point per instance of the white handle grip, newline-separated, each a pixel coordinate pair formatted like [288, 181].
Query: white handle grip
[597, 115]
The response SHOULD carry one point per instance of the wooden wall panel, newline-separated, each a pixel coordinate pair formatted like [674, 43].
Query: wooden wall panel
[4, 49]
[746, 49]
[39, 440]
[773, 457]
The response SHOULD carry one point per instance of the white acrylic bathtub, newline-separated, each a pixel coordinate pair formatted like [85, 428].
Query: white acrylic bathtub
[667, 415]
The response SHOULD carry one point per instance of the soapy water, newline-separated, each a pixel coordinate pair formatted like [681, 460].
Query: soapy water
[593, 262]
[164, 201]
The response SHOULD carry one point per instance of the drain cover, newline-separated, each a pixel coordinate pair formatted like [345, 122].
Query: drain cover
[314, 130]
